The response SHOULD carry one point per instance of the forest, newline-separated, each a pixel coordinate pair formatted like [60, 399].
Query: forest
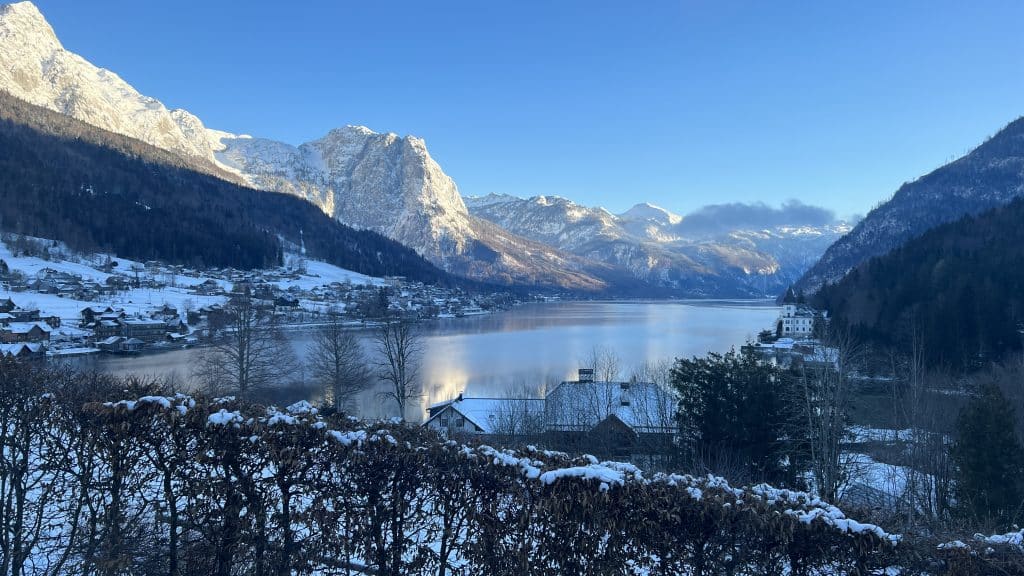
[956, 293]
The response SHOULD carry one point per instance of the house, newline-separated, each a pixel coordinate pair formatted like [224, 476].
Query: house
[92, 313]
[487, 416]
[23, 350]
[24, 332]
[6, 305]
[120, 345]
[798, 321]
[146, 329]
[209, 287]
[25, 315]
[611, 418]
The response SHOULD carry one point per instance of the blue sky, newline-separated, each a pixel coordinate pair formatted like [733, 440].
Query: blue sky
[610, 103]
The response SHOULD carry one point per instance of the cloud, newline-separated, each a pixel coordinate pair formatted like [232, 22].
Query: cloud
[720, 218]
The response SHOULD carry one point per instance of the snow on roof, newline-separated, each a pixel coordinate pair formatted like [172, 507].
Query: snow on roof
[16, 348]
[643, 406]
[25, 327]
[487, 413]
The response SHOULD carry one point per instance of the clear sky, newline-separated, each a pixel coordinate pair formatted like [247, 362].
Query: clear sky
[677, 103]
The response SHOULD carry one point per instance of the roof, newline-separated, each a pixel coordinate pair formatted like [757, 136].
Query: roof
[17, 348]
[643, 406]
[488, 413]
[142, 322]
[25, 327]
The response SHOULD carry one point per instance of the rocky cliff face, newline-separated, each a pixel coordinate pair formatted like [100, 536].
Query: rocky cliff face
[36, 68]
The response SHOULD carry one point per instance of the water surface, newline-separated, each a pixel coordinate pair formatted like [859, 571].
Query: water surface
[522, 350]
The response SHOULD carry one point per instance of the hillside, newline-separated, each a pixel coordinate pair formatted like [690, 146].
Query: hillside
[989, 176]
[958, 289]
[63, 179]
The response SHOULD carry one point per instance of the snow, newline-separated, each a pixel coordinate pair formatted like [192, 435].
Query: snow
[225, 418]
[606, 475]
[1008, 539]
[356, 437]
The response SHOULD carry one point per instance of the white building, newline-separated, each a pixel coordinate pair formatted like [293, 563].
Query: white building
[797, 321]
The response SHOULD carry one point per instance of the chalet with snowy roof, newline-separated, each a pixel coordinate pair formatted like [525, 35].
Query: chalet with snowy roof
[25, 332]
[23, 350]
[611, 418]
[487, 416]
[615, 418]
[6, 305]
[148, 330]
[91, 314]
[120, 345]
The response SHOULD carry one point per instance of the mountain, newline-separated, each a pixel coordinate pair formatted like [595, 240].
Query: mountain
[648, 221]
[63, 179]
[956, 291]
[646, 241]
[391, 185]
[991, 175]
[379, 182]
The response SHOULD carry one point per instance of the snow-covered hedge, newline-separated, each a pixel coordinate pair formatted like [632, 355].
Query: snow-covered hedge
[143, 482]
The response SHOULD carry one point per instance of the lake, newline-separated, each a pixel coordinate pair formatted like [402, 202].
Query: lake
[527, 348]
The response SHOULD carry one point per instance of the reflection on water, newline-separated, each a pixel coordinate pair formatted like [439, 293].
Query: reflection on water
[526, 349]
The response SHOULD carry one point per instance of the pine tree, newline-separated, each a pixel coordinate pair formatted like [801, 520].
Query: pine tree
[989, 459]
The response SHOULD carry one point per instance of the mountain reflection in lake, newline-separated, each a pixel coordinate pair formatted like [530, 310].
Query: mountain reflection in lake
[522, 350]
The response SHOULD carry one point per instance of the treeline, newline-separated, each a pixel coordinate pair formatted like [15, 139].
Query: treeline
[97, 191]
[956, 293]
[101, 475]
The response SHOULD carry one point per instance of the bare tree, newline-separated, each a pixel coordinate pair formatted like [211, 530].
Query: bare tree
[519, 415]
[605, 362]
[825, 389]
[400, 351]
[249, 353]
[337, 363]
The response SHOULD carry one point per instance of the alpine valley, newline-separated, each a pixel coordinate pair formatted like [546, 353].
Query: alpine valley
[391, 185]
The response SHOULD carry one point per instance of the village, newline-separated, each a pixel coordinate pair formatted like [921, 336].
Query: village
[56, 304]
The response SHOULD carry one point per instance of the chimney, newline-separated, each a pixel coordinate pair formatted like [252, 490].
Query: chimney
[586, 375]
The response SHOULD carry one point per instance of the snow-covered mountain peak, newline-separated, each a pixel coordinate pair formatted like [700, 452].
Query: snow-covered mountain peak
[489, 200]
[647, 211]
[24, 19]
[36, 68]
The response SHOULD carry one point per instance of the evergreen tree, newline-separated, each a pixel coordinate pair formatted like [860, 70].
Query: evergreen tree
[734, 410]
[989, 459]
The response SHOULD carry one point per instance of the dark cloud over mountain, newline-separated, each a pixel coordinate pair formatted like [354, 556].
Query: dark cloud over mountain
[721, 218]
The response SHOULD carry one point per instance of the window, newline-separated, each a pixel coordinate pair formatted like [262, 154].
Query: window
[460, 423]
[444, 422]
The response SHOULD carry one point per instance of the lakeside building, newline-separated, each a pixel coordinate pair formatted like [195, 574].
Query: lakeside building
[610, 418]
[799, 321]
